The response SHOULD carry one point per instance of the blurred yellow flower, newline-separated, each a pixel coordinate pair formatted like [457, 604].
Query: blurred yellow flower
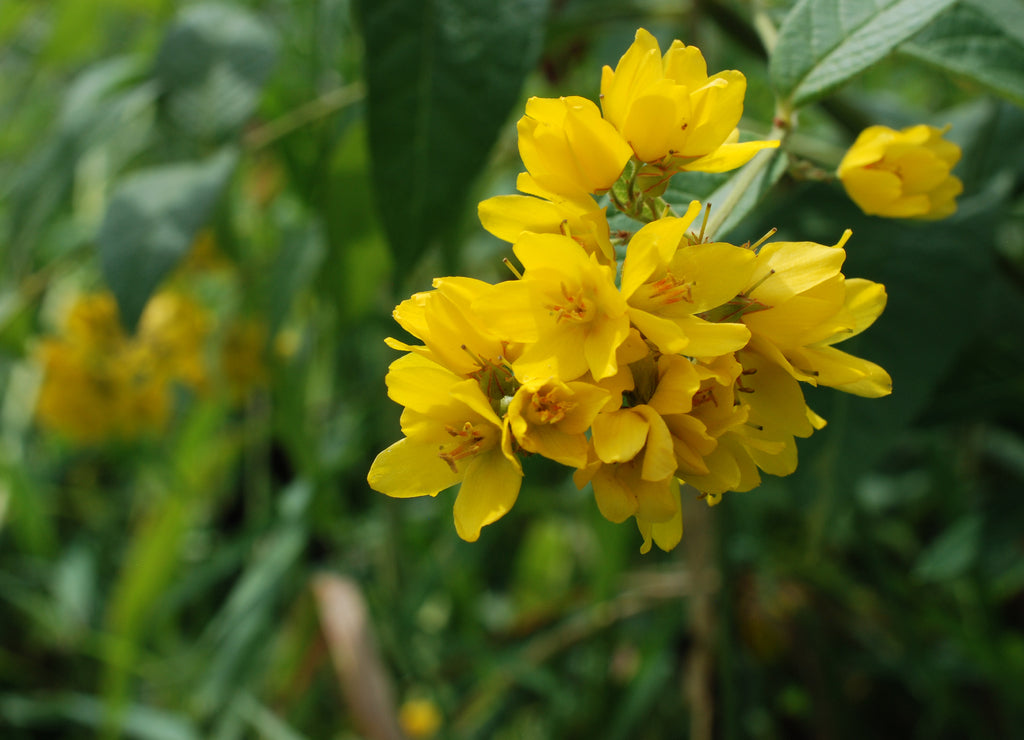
[100, 384]
[174, 329]
[902, 174]
[97, 384]
[420, 719]
[672, 113]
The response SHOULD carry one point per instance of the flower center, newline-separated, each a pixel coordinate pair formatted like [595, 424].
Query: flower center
[671, 289]
[573, 308]
[547, 409]
[468, 442]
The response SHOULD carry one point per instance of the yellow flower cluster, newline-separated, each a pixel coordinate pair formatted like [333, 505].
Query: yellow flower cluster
[682, 364]
[99, 384]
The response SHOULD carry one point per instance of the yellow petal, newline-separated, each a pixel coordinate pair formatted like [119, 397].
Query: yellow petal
[653, 119]
[489, 490]
[419, 383]
[654, 501]
[728, 156]
[619, 436]
[601, 344]
[615, 501]
[507, 216]
[709, 339]
[652, 247]
[554, 444]
[666, 534]
[677, 382]
[685, 66]
[659, 456]
[717, 108]
[407, 469]
[637, 69]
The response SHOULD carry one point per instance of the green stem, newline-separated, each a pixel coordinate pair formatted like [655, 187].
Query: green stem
[751, 171]
[328, 103]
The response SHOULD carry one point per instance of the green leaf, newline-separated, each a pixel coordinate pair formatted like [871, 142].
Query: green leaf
[151, 220]
[212, 64]
[138, 721]
[740, 194]
[952, 553]
[976, 46]
[442, 77]
[823, 44]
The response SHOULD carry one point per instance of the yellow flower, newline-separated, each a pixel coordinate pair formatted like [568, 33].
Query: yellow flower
[97, 384]
[633, 464]
[752, 409]
[452, 435]
[175, 329]
[902, 174]
[420, 719]
[578, 216]
[568, 148]
[565, 309]
[453, 334]
[666, 280]
[672, 113]
[551, 418]
[798, 304]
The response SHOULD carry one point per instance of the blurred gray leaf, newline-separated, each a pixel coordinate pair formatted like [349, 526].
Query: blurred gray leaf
[151, 220]
[212, 65]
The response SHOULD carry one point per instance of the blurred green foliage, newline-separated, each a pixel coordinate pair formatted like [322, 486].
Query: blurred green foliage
[332, 151]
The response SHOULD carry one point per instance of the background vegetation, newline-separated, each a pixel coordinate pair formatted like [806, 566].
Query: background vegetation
[293, 170]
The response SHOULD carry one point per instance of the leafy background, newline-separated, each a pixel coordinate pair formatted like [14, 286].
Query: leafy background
[236, 578]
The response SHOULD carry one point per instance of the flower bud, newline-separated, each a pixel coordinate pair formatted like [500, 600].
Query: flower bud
[902, 174]
[568, 148]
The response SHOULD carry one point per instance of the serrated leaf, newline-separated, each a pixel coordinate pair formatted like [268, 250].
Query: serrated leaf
[442, 77]
[971, 44]
[821, 45]
[150, 223]
[212, 64]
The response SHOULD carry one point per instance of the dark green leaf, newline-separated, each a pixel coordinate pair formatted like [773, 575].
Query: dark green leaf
[152, 219]
[823, 44]
[952, 553]
[442, 78]
[212, 64]
[976, 46]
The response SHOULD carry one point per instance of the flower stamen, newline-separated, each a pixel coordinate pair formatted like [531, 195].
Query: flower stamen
[671, 289]
[467, 447]
[574, 308]
[548, 408]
